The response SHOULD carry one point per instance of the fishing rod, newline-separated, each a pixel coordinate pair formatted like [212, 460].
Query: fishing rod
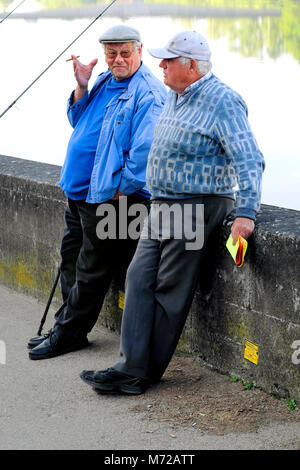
[50, 65]
[12, 11]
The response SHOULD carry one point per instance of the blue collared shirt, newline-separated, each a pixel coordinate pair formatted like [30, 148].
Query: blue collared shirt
[83, 143]
[125, 136]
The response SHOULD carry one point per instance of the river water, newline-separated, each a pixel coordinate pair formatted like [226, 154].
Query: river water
[254, 53]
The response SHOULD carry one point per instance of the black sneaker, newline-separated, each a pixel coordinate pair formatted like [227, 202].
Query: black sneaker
[56, 345]
[36, 340]
[111, 380]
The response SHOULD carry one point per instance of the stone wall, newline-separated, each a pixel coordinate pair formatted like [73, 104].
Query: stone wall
[243, 321]
[32, 222]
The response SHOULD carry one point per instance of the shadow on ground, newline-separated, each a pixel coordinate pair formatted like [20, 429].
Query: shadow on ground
[190, 395]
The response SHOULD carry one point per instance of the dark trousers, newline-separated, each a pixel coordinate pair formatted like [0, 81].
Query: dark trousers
[88, 264]
[160, 285]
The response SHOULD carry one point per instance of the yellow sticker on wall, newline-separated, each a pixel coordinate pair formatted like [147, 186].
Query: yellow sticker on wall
[121, 301]
[251, 352]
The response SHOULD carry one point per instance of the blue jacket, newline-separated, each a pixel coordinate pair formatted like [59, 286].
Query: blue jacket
[125, 136]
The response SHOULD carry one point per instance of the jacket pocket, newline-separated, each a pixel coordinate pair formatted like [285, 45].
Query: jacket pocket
[122, 137]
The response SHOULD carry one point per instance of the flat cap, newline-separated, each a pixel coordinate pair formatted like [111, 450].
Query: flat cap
[120, 33]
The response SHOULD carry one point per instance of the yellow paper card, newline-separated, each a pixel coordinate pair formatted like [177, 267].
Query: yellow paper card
[238, 250]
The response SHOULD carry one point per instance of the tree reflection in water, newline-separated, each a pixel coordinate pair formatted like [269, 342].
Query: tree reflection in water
[249, 36]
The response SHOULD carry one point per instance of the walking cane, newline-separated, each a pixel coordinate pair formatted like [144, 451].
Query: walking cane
[48, 303]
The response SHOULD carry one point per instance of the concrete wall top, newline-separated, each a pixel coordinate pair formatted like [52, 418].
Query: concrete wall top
[30, 170]
[280, 222]
[275, 220]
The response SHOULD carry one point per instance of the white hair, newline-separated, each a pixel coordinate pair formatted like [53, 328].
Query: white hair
[136, 45]
[203, 66]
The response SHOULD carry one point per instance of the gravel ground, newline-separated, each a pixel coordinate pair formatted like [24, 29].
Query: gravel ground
[193, 396]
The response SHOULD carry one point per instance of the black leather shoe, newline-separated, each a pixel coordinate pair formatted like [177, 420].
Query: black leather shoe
[36, 340]
[55, 345]
[111, 381]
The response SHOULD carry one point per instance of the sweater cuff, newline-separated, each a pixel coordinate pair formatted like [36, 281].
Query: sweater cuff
[247, 213]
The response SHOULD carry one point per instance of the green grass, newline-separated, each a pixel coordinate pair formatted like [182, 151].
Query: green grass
[291, 404]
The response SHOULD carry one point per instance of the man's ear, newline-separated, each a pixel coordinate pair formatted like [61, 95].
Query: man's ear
[193, 65]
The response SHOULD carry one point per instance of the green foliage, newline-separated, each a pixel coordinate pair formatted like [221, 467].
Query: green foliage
[234, 379]
[252, 36]
[52, 4]
[291, 404]
[249, 36]
[248, 385]
[4, 4]
[225, 3]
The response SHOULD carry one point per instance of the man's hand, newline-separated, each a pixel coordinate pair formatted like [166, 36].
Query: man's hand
[82, 74]
[241, 226]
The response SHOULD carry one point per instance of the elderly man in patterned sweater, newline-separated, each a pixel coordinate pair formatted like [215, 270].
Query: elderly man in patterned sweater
[204, 155]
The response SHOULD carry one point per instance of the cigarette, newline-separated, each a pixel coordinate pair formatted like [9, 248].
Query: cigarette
[68, 60]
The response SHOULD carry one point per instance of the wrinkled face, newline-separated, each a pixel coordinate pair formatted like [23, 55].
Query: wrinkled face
[176, 74]
[122, 59]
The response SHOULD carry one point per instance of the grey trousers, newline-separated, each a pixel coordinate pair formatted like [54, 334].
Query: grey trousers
[159, 289]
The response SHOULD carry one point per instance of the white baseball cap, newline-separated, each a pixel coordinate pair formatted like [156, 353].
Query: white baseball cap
[185, 44]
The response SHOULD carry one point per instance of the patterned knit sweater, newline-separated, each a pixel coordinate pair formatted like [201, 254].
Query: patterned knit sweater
[204, 145]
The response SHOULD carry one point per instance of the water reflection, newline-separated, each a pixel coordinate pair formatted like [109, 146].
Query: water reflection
[274, 26]
[255, 37]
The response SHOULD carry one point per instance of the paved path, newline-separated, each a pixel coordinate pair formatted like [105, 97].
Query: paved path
[45, 405]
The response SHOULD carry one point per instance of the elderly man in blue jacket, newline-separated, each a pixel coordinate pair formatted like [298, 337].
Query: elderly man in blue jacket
[106, 160]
